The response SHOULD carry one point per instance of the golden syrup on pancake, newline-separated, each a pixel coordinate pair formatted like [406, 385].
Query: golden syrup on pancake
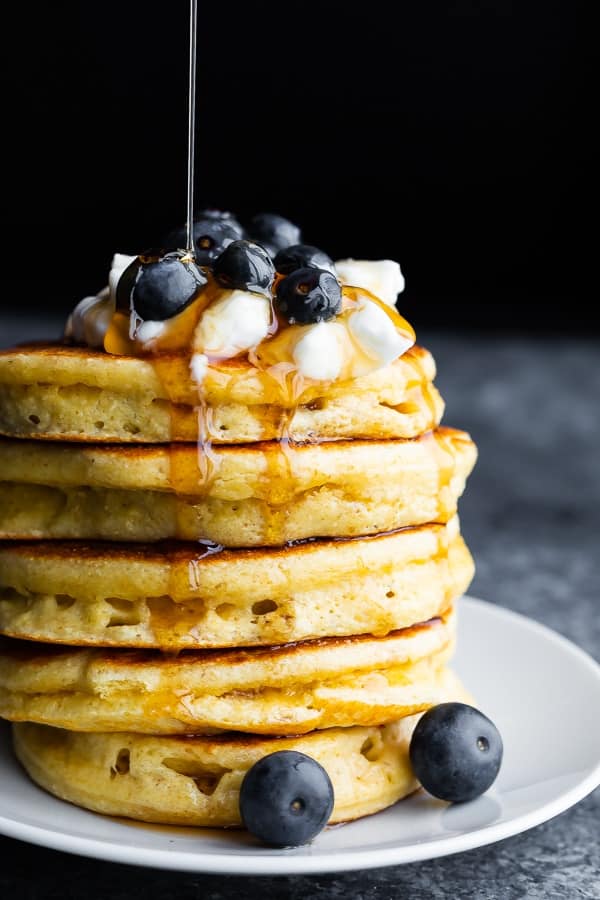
[280, 464]
[439, 444]
[421, 391]
[171, 619]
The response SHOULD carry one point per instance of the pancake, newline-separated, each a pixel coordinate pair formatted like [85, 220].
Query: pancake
[175, 598]
[290, 689]
[195, 781]
[76, 394]
[255, 495]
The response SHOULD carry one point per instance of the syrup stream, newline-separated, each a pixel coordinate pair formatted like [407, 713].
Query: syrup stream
[191, 128]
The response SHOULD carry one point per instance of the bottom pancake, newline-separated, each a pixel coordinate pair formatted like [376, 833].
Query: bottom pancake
[195, 781]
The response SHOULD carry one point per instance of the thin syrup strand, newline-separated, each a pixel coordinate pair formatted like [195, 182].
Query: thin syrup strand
[191, 128]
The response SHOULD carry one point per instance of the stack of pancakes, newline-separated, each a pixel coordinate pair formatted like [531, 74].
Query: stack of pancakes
[188, 585]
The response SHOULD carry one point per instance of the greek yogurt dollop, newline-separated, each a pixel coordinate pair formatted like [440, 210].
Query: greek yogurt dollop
[90, 320]
[376, 334]
[319, 351]
[232, 324]
[382, 277]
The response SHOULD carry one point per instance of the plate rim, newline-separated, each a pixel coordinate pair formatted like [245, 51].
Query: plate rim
[267, 862]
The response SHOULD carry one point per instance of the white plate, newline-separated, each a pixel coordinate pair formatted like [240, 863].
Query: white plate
[542, 692]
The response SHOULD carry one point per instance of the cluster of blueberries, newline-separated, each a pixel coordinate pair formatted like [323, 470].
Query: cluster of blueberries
[287, 797]
[160, 284]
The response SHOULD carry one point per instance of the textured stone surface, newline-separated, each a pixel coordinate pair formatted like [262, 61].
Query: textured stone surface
[532, 518]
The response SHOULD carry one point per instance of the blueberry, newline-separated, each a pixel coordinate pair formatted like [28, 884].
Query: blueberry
[273, 232]
[158, 286]
[211, 236]
[309, 295]
[302, 256]
[456, 752]
[247, 266]
[212, 212]
[221, 215]
[286, 799]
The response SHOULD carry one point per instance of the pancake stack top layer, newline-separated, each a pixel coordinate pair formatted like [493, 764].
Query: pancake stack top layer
[308, 461]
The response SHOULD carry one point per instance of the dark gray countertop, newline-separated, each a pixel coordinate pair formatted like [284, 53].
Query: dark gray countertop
[531, 515]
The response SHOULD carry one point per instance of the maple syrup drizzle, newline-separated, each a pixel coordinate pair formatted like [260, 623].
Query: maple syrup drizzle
[440, 444]
[191, 127]
[420, 391]
[178, 615]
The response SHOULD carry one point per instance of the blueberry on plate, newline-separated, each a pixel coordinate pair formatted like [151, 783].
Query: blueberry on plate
[302, 256]
[309, 295]
[286, 799]
[456, 752]
[246, 266]
[211, 236]
[273, 232]
[158, 286]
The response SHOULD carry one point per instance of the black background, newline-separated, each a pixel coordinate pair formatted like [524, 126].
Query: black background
[454, 137]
